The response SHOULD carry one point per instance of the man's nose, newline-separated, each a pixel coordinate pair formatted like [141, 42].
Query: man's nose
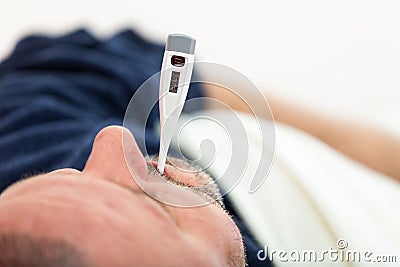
[116, 157]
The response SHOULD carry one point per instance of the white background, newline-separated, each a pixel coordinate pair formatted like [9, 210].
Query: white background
[341, 57]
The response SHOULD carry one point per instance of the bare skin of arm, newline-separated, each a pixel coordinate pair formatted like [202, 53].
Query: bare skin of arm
[372, 147]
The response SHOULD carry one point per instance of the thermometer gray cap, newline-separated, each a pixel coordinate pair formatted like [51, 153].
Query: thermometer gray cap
[180, 43]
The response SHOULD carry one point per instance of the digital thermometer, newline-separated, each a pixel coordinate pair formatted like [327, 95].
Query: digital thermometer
[176, 72]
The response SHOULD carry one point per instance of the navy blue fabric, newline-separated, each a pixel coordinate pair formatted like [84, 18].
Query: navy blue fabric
[56, 93]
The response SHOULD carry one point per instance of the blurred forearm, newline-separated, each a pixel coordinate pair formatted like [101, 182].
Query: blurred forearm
[372, 147]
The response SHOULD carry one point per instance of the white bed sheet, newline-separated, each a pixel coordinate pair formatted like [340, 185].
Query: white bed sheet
[313, 197]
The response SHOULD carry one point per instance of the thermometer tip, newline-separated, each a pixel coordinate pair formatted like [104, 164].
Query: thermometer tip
[160, 167]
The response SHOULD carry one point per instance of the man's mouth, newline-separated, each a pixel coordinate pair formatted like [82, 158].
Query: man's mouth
[194, 179]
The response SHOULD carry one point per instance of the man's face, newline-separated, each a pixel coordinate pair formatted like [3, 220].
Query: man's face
[106, 215]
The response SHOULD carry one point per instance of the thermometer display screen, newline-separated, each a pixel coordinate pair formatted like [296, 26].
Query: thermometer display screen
[173, 85]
